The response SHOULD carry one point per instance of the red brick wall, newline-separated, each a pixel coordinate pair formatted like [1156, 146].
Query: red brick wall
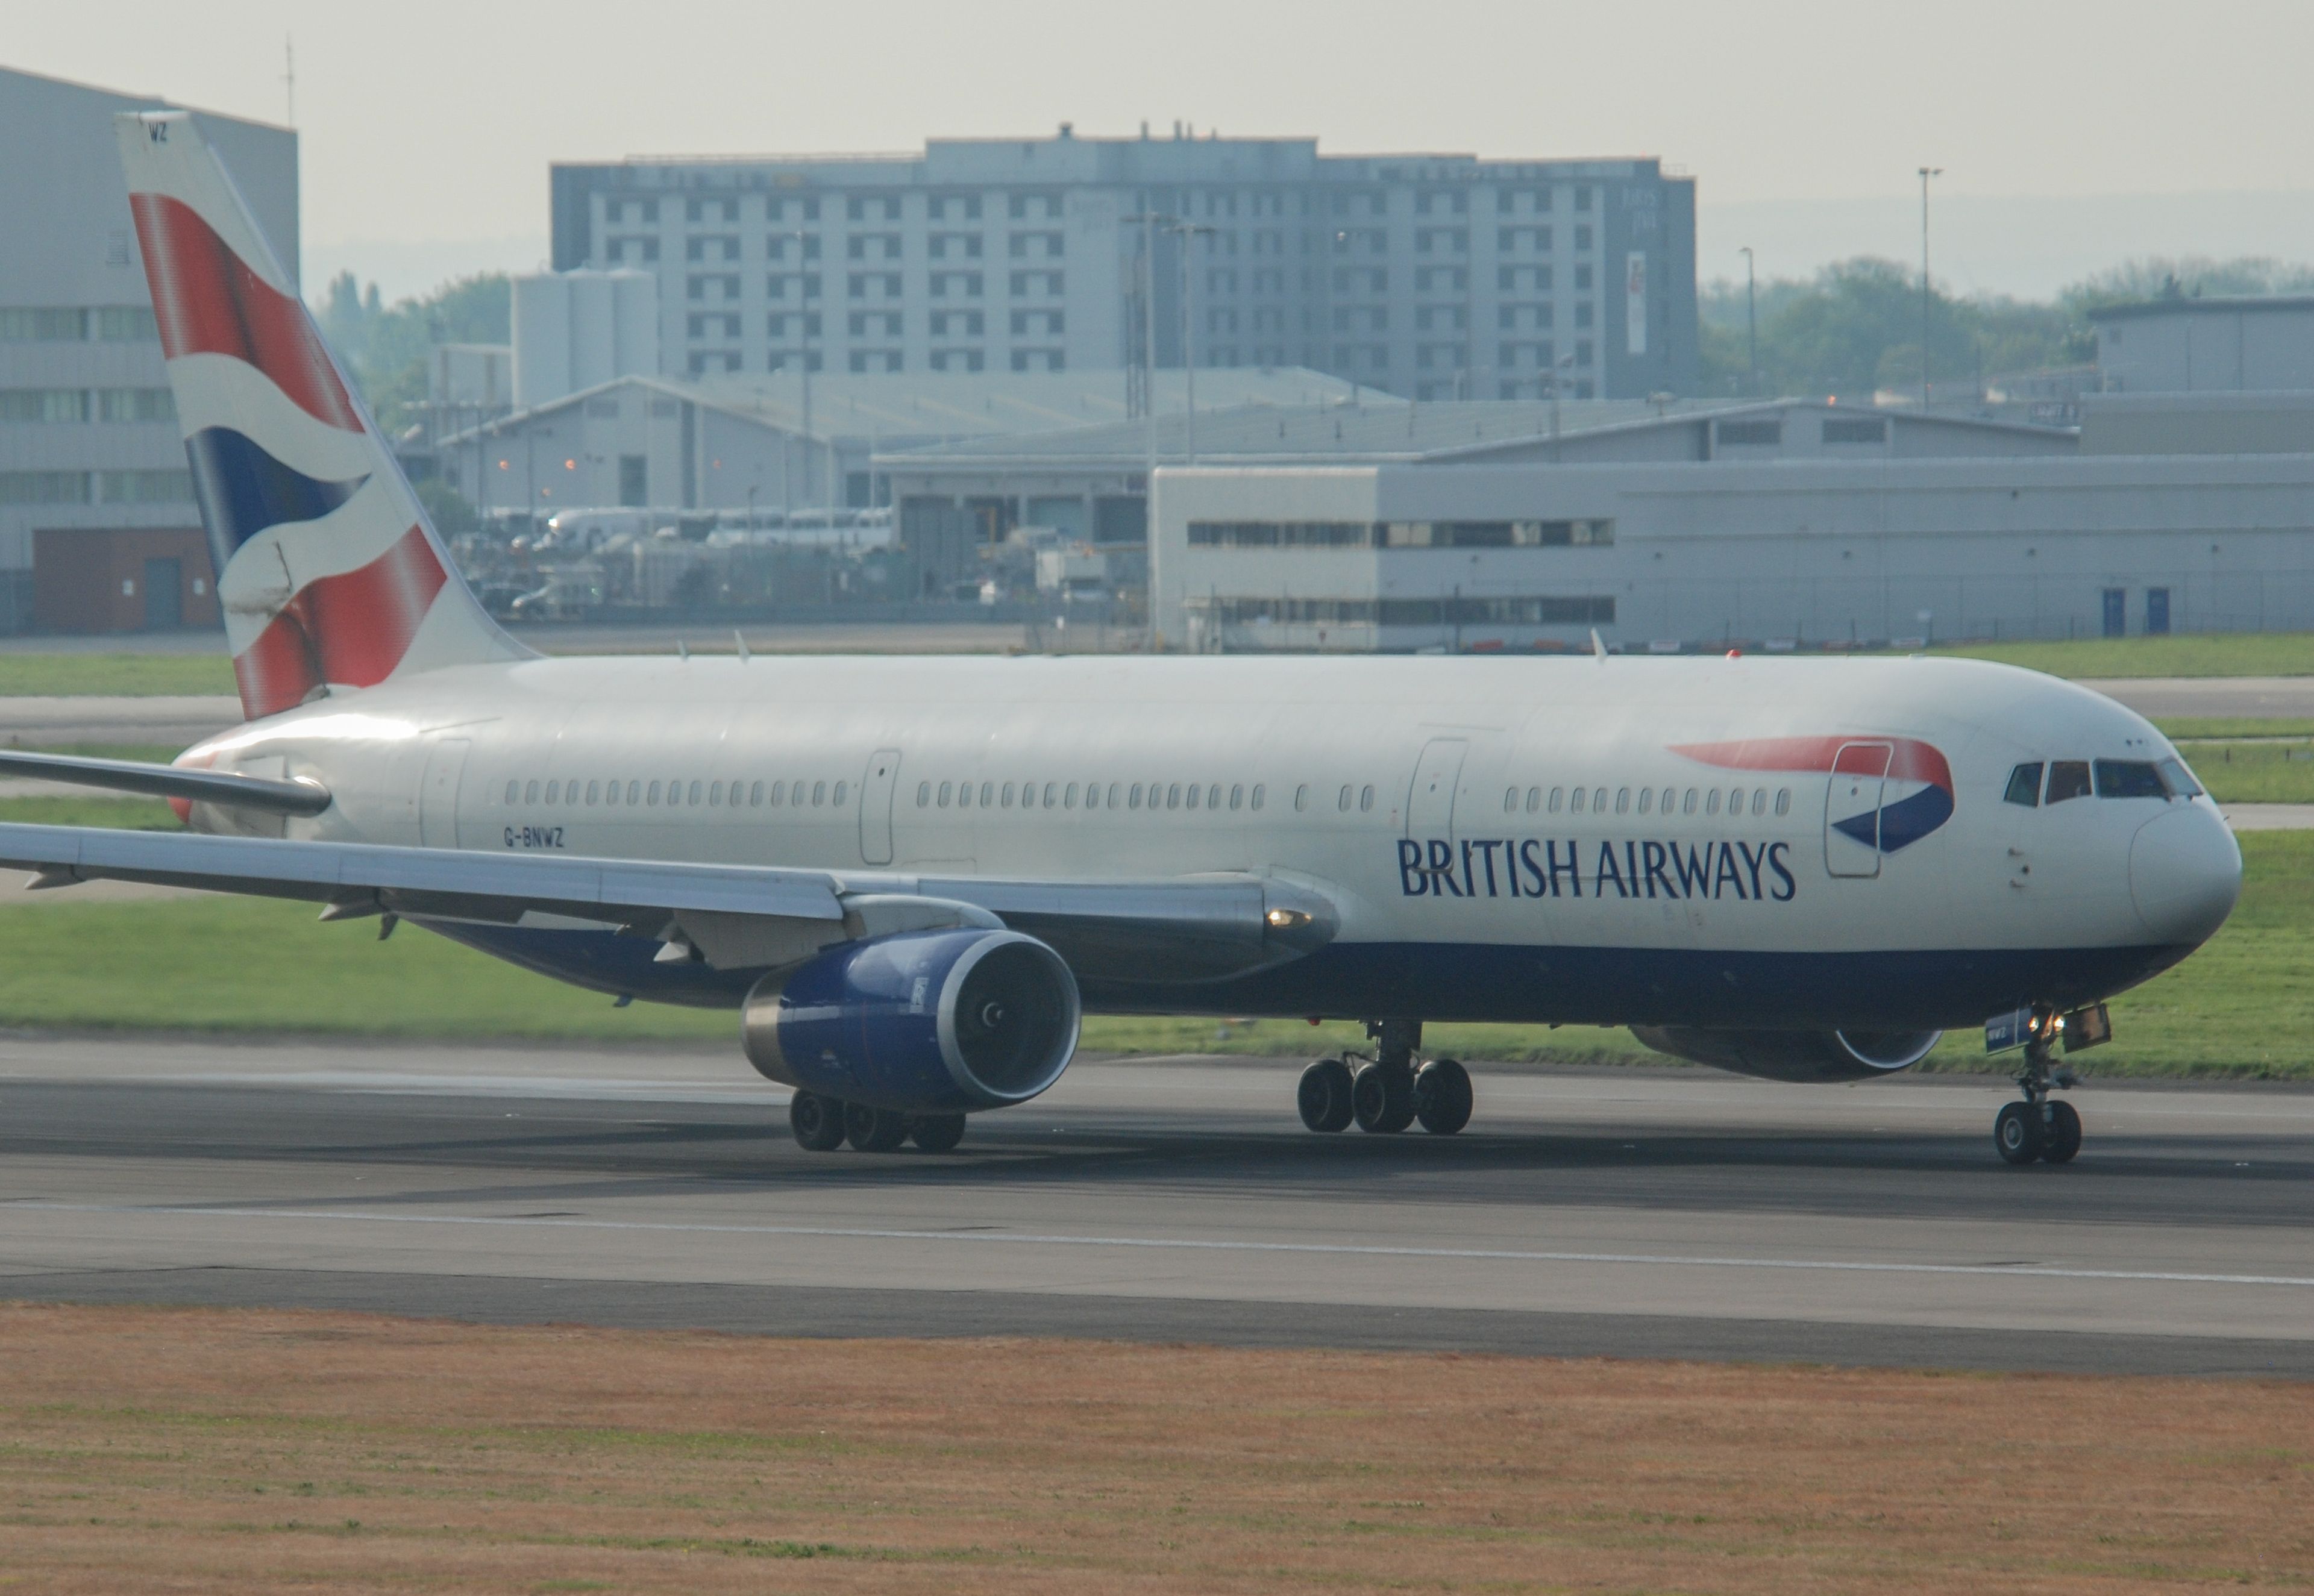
[93, 580]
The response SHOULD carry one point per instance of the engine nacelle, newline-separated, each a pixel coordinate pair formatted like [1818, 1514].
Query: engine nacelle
[1794, 1055]
[925, 1022]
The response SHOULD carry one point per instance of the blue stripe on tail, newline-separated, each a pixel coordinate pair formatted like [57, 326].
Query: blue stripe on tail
[243, 490]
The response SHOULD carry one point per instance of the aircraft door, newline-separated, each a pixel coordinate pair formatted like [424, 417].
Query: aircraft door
[437, 796]
[1851, 808]
[1430, 804]
[876, 790]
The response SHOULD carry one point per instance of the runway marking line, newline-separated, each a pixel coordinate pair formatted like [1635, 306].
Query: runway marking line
[1186, 1244]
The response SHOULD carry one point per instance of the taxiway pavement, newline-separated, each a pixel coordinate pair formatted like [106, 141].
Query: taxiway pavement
[1638, 1213]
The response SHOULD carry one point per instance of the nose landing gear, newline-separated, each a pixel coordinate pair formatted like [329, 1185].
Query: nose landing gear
[2038, 1128]
[1386, 1093]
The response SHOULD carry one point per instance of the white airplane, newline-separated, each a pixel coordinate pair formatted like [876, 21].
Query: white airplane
[910, 876]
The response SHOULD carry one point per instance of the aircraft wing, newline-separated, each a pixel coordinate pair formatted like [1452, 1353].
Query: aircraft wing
[730, 916]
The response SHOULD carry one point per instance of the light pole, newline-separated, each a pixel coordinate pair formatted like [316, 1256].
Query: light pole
[1150, 221]
[1752, 318]
[1188, 232]
[1926, 173]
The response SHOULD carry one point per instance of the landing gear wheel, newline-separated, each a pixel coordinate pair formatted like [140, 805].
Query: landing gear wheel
[2062, 1135]
[936, 1132]
[874, 1130]
[1324, 1096]
[1382, 1099]
[2017, 1133]
[1442, 1096]
[818, 1121]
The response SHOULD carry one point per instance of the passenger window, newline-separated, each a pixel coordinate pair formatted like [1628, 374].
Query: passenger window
[2128, 779]
[1092, 795]
[947, 790]
[779, 794]
[1173, 796]
[1533, 800]
[651, 796]
[756, 796]
[1736, 801]
[841, 789]
[818, 793]
[514, 791]
[1783, 800]
[634, 793]
[1622, 800]
[553, 788]
[530, 793]
[2180, 780]
[1343, 802]
[923, 795]
[1053, 787]
[1687, 804]
[1112, 793]
[2068, 779]
[1005, 797]
[715, 795]
[1670, 797]
[694, 795]
[1213, 796]
[2024, 785]
[1301, 799]
[1193, 795]
[1068, 795]
[1510, 800]
[594, 788]
[1555, 793]
[1711, 802]
[964, 796]
[1576, 806]
[1647, 798]
[610, 794]
[987, 794]
[1758, 800]
[1133, 801]
[1365, 798]
[1237, 796]
[1258, 790]
[1599, 801]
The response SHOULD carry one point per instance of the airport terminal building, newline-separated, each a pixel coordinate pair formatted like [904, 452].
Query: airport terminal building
[98, 527]
[1779, 553]
[1434, 277]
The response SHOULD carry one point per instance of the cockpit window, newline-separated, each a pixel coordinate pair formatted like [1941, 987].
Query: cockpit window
[2024, 785]
[2068, 779]
[2129, 779]
[2180, 780]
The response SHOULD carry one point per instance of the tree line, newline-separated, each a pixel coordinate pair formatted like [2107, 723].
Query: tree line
[1855, 327]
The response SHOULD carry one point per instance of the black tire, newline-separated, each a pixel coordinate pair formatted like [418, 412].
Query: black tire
[2062, 1136]
[936, 1132]
[1382, 1099]
[1442, 1096]
[818, 1121]
[2017, 1133]
[874, 1130]
[1324, 1096]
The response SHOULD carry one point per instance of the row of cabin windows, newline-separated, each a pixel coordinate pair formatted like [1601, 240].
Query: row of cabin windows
[1058, 794]
[1704, 800]
[645, 795]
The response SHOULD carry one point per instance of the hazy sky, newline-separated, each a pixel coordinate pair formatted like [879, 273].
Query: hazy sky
[427, 123]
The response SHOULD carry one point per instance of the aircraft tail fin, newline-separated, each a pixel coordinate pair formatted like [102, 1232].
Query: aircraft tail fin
[329, 573]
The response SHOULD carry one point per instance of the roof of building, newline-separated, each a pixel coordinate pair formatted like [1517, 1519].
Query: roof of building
[1392, 431]
[2203, 304]
[914, 408]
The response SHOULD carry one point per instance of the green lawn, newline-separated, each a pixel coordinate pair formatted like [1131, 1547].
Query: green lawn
[2243, 1006]
[2216, 654]
[41, 675]
[2254, 769]
[128, 813]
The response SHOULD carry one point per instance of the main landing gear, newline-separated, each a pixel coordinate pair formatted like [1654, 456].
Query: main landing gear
[823, 1124]
[1386, 1093]
[2040, 1127]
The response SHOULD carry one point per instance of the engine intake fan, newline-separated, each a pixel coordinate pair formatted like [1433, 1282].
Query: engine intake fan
[937, 1021]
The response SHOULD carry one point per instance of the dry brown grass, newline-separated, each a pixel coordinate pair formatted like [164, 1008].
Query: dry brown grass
[167, 1449]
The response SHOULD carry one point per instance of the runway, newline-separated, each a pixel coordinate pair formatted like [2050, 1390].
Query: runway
[1660, 1213]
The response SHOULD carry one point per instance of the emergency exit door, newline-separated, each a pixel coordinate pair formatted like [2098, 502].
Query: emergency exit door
[1851, 808]
[1430, 804]
[876, 793]
[438, 797]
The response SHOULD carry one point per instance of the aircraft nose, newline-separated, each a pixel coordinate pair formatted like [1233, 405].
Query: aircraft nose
[2185, 873]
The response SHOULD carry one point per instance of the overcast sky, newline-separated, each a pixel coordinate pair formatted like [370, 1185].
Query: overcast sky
[427, 124]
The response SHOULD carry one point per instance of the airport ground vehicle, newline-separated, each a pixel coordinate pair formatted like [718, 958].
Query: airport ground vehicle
[910, 876]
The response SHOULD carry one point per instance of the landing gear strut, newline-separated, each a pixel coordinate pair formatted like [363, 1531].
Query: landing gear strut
[2038, 1128]
[1386, 1093]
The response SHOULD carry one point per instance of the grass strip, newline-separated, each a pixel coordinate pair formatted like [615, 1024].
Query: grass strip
[124, 675]
[2240, 1008]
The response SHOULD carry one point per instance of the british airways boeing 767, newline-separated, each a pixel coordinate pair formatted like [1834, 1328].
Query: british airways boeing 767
[909, 876]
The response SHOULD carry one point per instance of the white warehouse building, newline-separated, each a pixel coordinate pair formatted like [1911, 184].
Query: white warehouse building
[1789, 552]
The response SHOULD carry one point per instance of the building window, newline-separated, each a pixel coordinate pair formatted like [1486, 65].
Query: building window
[1855, 430]
[1751, 434]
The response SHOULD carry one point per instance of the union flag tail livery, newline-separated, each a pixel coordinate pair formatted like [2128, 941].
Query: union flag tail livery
[328, 570]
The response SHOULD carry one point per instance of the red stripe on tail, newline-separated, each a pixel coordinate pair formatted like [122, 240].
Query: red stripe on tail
[208, 302]
[352, 629]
